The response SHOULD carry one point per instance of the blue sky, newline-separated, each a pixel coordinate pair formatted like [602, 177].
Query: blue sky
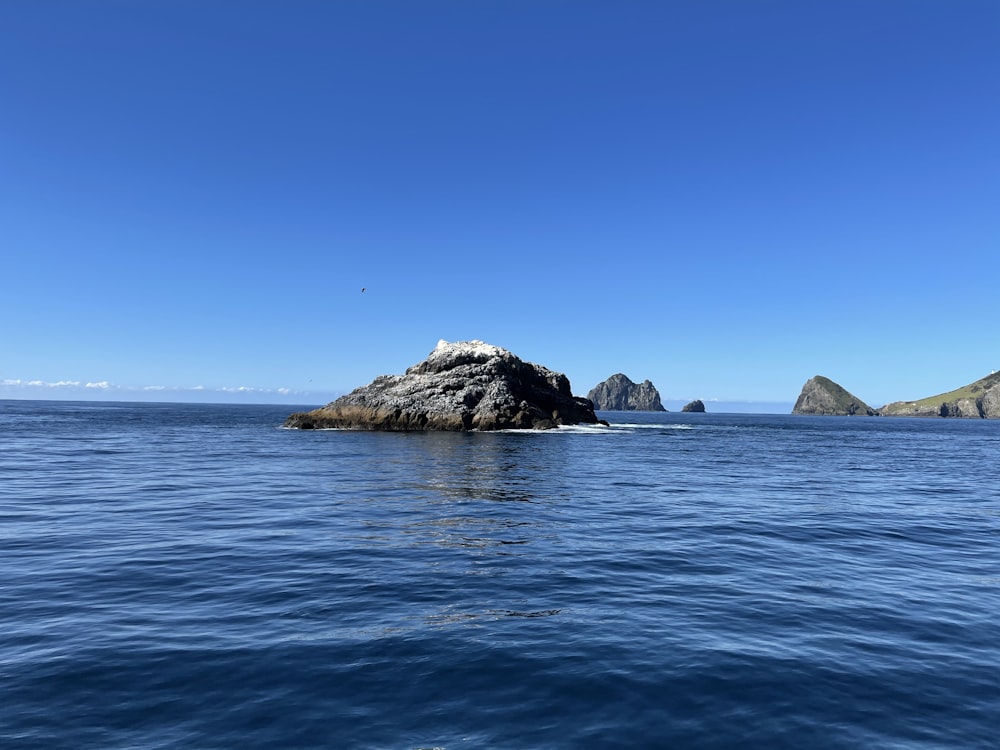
[723, 197]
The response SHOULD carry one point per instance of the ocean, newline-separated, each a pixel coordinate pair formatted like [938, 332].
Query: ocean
[195, 576]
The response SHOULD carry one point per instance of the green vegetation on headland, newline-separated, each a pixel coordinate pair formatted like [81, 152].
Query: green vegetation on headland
[980, 399]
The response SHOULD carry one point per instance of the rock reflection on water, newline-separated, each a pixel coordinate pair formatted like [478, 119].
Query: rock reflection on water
[449, 529]
[452, 618]
[489, 477]
[481, 514]
[481, 467]
[472, 532]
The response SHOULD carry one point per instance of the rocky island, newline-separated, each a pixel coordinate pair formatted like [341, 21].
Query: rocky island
[468, 385]
[697, 406]
[821, 396]
[618, 393]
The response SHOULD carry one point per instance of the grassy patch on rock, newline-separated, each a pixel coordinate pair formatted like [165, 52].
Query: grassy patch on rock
[972, 390]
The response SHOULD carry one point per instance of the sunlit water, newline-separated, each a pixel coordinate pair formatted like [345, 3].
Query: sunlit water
[193, 576]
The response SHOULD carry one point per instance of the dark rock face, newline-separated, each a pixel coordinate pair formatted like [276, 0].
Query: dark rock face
[695, 406]
[468, 385]
[618, 393]
[963, 408]
[990, 403]
[821, 396]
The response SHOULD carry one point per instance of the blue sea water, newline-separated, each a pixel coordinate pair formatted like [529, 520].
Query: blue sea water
[194, 576]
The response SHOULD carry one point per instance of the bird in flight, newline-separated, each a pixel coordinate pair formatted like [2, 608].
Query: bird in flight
[362, 290]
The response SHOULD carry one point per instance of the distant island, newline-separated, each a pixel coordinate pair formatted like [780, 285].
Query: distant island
[467, 385]
[697, 406]
[821, 396]
[978, 400]
[619, 393]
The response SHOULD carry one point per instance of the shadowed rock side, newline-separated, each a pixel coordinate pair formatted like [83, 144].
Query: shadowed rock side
[468, 385]
[618, 393]
[979, 400]
[991, 403]
[695, 406]
[821, 396]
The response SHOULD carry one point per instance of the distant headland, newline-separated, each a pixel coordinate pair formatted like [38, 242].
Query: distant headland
[978, 400]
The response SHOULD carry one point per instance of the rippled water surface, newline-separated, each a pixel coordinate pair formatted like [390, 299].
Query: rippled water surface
[178, 576]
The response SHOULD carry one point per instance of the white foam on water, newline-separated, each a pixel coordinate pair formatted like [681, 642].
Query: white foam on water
[599, 429]
[582, 429]
[630, 426]
[579, 429]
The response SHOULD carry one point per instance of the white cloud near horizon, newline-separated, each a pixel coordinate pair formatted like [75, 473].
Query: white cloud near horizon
[17, 382]
[107, 386]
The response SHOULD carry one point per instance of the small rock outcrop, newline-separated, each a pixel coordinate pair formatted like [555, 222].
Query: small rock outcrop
[618, 393]
[694, 406]
[821, 396]
[468, 385]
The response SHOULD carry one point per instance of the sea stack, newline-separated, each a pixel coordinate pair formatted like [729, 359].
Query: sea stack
[696, 406]
[467, 385]
[618, 393]
[821, 396]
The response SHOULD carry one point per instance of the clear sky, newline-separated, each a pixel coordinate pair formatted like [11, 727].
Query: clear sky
[726, 198]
